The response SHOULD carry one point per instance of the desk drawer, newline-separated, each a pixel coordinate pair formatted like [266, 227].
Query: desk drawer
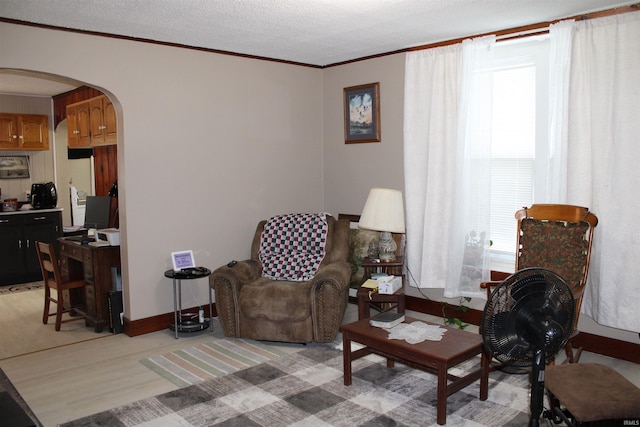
[71, 250]
[87, 263]
[90, 295]
[78, 255]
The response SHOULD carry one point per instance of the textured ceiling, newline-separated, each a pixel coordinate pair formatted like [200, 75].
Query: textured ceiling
[313, 32]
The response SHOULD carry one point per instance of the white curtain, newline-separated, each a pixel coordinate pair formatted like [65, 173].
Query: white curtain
[560, 39]
[593, 160]
[604, 161]
[432, 85]
[447, 182]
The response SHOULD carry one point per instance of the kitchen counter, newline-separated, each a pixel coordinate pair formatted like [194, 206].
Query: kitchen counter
[30, 211]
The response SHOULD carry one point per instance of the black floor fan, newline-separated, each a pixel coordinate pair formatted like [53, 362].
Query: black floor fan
[527, 320]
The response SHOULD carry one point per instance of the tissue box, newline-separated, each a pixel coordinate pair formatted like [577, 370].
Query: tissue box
[389, 285]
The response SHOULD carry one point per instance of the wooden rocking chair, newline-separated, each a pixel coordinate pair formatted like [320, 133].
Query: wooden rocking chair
[558, 238]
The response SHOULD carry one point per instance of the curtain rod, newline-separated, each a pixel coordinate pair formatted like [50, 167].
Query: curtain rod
[512, 33]
[524, 33]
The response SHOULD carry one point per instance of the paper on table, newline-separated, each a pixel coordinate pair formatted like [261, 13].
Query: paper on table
[370, 284]
[416, 332]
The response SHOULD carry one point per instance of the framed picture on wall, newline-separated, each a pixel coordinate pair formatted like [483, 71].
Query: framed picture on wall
[362, 113]
[12, 167]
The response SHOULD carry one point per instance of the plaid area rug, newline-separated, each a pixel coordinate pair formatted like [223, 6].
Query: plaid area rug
[203, 361]
[306, 389]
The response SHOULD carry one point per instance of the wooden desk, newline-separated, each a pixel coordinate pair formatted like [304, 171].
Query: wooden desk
[93, 265]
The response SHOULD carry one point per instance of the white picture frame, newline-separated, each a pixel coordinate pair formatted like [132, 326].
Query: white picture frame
[182, 260]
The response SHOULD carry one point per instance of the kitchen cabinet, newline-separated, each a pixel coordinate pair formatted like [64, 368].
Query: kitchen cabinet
[78, 125]
[103, 121]
[19, 232]
[91, 123]
[24, 132]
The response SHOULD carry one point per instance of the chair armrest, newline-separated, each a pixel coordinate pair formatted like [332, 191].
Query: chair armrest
[338, 272]
[226, 282]
[489, 286]
[329, 297]
[242, 272]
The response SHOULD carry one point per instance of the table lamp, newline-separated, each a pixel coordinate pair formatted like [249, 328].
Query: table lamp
[384, 212]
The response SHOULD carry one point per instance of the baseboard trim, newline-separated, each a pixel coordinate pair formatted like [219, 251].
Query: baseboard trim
[434, 308]
[606, 346]
[157, 323]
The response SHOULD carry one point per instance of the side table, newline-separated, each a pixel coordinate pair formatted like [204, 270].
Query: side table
[382, 302]
[394, 268]
[178, 324]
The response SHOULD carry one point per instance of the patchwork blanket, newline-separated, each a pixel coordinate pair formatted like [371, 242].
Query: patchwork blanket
[292, 246]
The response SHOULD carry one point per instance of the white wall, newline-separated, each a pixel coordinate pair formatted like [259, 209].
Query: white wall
[76, 172]
[208, 144]
[351, 170]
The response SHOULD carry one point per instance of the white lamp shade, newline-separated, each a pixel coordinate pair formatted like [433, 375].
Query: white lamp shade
[383, 211]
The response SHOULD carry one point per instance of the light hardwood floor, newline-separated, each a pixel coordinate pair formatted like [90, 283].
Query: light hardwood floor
[21, 326]
[79, 379]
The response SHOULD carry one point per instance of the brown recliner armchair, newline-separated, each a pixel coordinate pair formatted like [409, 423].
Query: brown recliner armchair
[261, 308]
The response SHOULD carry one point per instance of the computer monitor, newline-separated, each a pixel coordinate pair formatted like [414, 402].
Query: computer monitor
[97, 213]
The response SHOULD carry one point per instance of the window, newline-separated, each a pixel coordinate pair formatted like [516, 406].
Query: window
[518, 139]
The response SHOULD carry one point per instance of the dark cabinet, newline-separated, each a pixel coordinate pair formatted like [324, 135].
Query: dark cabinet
[11, 253]
[18, 235]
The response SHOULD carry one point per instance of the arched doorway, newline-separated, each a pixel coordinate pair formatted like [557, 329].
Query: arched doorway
[19, 89]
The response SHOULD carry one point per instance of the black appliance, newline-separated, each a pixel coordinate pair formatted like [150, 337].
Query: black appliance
[79, 153]
[44, 196]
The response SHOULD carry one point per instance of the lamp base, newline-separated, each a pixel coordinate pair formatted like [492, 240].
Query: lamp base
[387, 247]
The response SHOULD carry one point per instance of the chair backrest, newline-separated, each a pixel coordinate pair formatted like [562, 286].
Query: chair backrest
[48, 264]
[558, 238]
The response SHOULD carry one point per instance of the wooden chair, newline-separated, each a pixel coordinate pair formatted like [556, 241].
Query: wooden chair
[53, 280]
[558, 238]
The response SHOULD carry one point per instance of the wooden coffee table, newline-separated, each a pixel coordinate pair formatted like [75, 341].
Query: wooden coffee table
[435, 357]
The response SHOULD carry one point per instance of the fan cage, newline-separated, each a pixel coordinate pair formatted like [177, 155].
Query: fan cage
[532, 299]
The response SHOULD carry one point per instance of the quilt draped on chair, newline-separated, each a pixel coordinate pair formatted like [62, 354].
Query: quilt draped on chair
[292, 246]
